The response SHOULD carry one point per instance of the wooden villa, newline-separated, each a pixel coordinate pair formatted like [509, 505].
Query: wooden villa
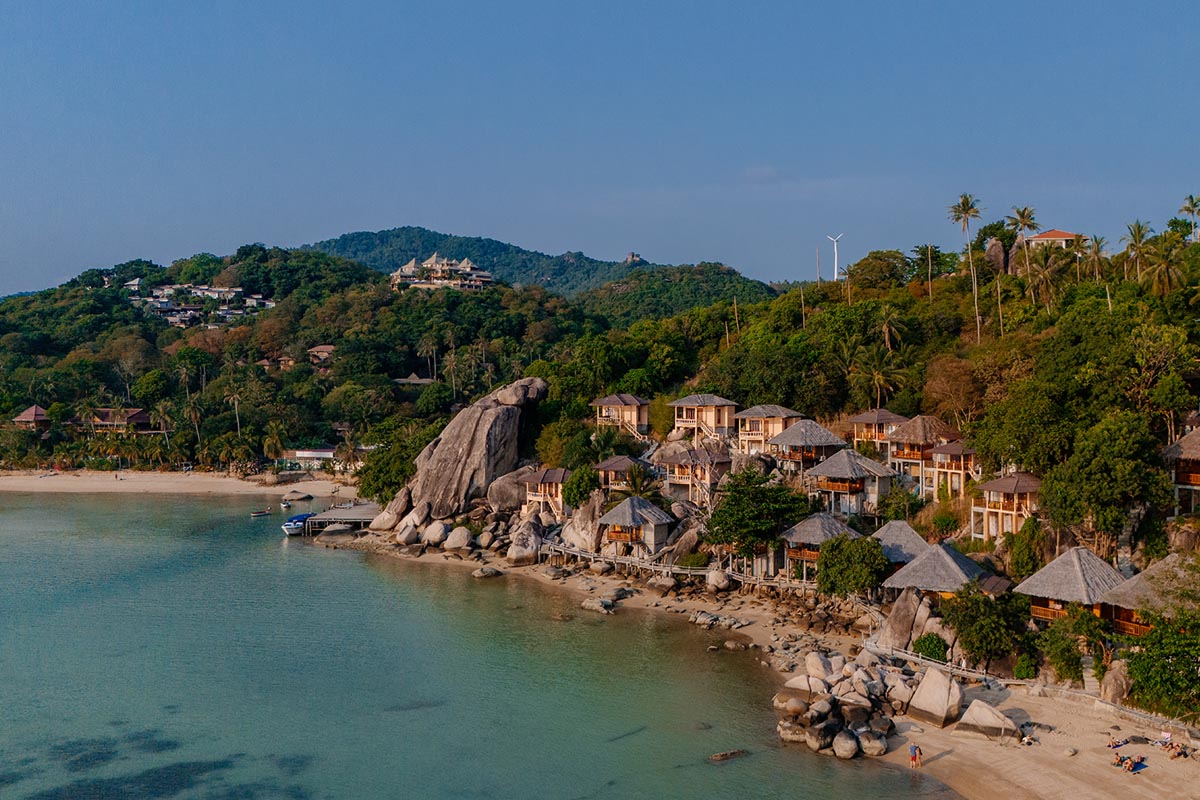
[1183, 457]
[910, 449]
[758, 424]
[33, 418]
[613, 471]
[543, 491]
[953, 465]
[1156, 590]
[635, 527]
[696, 471]
[1077, 576]
[804, 444]
[1004, 505]
[901, 544]
[872, 427]
[850, 483]
[118, 419]
[705, 415]
[628, 412]
[803, 541]
[940, 571]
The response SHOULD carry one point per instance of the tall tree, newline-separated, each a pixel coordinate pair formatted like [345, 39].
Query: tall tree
[1022, 222]
[1136, 240]
[966, 209]
[234, 399]
[1191, 208]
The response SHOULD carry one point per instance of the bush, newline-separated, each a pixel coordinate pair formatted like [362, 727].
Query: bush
[931, 646]
[945, 523]
[579, 486]
[850, 566]
[693, 560]
[1026, 668]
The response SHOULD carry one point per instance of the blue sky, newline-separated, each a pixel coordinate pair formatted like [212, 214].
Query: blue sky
[687, 131]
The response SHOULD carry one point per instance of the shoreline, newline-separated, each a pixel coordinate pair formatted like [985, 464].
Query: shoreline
[970, 766]
[150, 482]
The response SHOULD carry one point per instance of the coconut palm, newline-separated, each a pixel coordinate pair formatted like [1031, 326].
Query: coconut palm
[1163, 274]
[876, 371]
[276, 435]
[1043, 274]
[234, 399]
[962, 212]
[1191, 207]
[1095, 256]
[1136, 244]
[194, 415]
[638, 483]
[427, 348]
[86, 409]
[891, 325]
[160, 415]
[1022, 222]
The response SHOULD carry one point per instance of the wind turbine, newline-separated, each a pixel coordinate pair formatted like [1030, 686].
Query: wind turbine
[834, 239]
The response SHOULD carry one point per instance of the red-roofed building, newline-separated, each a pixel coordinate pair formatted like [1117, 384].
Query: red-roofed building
[1056, 237]
[33, 418]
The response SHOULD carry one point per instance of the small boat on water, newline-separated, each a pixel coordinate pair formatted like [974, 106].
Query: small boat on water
[295, 525]
[284, 504]
[264, 513]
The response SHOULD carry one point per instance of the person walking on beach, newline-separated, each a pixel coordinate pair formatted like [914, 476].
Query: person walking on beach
[912, 755]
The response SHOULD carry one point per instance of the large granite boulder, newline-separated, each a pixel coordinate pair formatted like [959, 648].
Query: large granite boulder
[401, 503]
[457, 539]
[807, 687]
[507, 493]
[717, 580]
[384, 521]
[407, 534]
[582, 530]
[845, 745]
[987, 721]
[1116, 684]
[817, 665]
[995, 256]
[476, 447]
[897, 629]
[937, 700]
[526, 543]
[417, 517]
[872, 743]
[435, 533]
[820, 737]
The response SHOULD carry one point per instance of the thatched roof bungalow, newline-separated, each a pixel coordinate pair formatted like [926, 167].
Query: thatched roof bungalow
[543, 491]
[1183, 457]
[614, 471]
[33, 418]
[704, 414]
[804, 539]
[757, 424]
[940, 570]
[850, 483]
[804, 444]
[1076, 576]
[874, 426]
[636, 524]
[1158, 589]
[625, 411]
[901, 544]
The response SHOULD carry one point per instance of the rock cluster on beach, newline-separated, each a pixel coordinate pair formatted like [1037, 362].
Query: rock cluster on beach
[844, 708]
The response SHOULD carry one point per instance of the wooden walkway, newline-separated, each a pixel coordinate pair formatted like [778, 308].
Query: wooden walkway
[779, 581]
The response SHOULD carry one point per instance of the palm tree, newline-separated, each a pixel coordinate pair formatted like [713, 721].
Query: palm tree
[160, 415]
[86, 409]
[1191, 207]
[1135, 245]
[1095, 256]
[272, 444]
[638, 483]
[1022, 221]
[878, 372]
[1043, 274]
[194, 415]
[427, 348]
[962, 212]
[234, 399]
[891, 325]
[1163, 274]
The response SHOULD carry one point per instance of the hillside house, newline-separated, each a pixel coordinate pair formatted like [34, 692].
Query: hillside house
[1004, 505]
[910, 449]
[1183, 458]
[938, 572]
[953, 465]
[117, 419]
[635, 527]
[804, 444]
[1158, 589]
[614, 472]
[872, 427]
[802, 542]
[321, 353]
[626, 412]
[438, 272]
[543, 492]
[1076, 576]
[850, 483]
[33, 418]
[1054, 238]
[705, 415]
[757, 425]
[693, 473]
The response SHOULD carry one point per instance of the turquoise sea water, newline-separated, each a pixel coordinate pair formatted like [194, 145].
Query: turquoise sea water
[156, 647]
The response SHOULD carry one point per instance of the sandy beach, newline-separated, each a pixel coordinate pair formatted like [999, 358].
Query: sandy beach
[973, 767]
[137, 482]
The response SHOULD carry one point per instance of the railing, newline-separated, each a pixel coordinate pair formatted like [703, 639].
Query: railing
[1128, 628]
[1187, 478]
[829, 485]
[629, 537]
[781, 580]
[1041, 612]
[908, 455]
[1004, 505]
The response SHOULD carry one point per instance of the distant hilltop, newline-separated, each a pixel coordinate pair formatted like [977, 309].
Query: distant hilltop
[569, 273]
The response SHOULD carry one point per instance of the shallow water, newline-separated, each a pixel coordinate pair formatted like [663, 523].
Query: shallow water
[173, 648]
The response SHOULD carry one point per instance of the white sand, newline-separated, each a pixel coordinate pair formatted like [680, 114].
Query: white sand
[136, 482]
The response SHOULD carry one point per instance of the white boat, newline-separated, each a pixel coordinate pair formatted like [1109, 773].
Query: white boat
[295, 525]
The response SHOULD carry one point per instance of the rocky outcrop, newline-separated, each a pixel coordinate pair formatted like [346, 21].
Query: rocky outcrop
[872, 744]
[807, 687]
[1116, 684]
[845, 745]
[717, 580]
[476, 447]
[582, 531]
[384, 521]
[897, 629]
[435, 533]
[987, 721]
[938, 699]
[457, 539]
[507, 493]
[526, 543]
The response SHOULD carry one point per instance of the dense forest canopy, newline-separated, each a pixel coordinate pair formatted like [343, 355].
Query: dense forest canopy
[565, 274]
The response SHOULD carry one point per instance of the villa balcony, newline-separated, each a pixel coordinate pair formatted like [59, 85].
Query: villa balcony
[1187, 478]
[907, 455]
[832, 485]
